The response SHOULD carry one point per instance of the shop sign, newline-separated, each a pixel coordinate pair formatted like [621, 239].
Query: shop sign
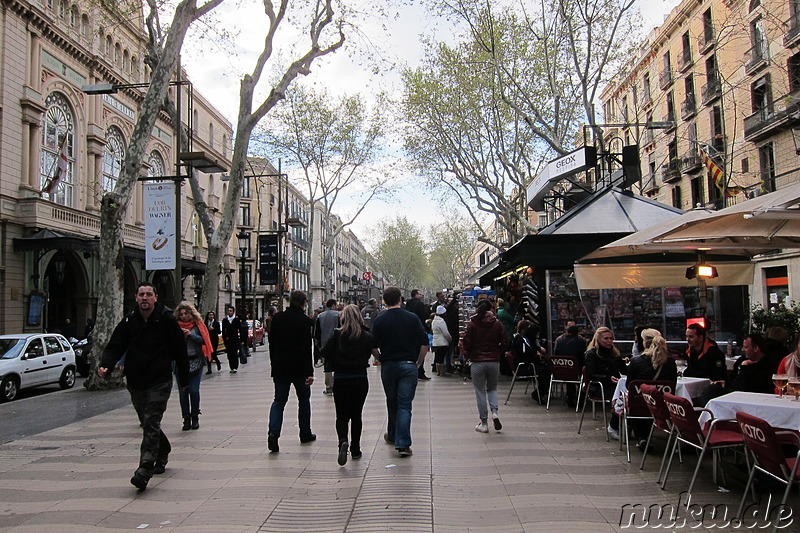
[565, 166]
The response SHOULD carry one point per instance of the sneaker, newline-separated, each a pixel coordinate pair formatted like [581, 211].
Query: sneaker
[272, 442]
[233, 370]
[355, 452]
[342, 459]
[309, 438]
[386, 438]
[496, 421]
[613, 433]
[328, 392]
[160, 467]
[404, 452]
[139, 481]
[482, 427]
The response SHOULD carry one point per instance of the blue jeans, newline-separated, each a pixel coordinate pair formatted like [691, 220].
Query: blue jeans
[303, 393]
[484, 379]
[399, 380]
[190, 398]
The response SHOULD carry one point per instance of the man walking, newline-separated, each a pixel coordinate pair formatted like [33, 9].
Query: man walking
[418, 307]
[369, 312]
[290, 354]
[327, 322]
[231, 335]
[150, 339]
[400, 344]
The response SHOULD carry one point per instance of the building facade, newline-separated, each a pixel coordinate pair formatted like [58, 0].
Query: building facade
[49, 241]
[724, 78]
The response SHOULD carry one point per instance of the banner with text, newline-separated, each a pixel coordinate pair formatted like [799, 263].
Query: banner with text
[159, 225]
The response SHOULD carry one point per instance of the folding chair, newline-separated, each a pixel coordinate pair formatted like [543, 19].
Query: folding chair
[589, 397]
[763, 442]
[635, 408]
[654, 399]
[685, 421]
[564, 369]
[529, 375]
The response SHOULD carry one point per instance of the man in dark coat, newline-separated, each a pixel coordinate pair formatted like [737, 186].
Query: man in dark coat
[291, 357]
[231, 335]
[151, 340]
[418, 307]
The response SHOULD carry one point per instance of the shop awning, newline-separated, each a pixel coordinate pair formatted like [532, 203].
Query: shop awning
[639, 275]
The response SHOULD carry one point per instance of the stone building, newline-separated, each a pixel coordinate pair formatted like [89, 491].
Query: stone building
[49, 241]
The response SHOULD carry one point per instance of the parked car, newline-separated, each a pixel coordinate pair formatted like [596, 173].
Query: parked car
[82, 348]
[30, 360]
[255, 333]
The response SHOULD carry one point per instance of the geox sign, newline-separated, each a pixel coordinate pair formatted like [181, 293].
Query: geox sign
[567, 165]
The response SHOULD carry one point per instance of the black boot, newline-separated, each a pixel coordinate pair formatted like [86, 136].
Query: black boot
[195, 421]
[187, 423]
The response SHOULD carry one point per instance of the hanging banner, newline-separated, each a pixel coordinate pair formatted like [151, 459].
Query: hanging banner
[268, 259]
[159, 225]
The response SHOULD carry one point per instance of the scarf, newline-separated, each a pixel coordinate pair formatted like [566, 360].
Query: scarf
[792, 364]
[206, 347]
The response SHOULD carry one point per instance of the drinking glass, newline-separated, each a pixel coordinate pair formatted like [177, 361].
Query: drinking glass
[781, 381]
[794, 386]
[681, 364]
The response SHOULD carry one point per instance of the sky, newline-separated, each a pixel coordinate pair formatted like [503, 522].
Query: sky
[396, 42]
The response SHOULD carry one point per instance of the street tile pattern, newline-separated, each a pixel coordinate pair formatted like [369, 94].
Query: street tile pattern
[537, 474]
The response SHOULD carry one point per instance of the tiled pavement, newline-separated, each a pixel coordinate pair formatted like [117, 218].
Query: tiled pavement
[537, 474]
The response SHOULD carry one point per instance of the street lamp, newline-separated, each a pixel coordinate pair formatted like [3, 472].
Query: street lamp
[192, 160]
[244, 247]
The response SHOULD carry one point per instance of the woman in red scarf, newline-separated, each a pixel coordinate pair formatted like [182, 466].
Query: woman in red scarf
[199, 348]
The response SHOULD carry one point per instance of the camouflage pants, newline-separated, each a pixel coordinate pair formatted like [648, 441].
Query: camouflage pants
[150, 405]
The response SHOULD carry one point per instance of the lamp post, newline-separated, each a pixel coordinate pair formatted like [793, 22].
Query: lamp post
[244, 247]
[192, 160]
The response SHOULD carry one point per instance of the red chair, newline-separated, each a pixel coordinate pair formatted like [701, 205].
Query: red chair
[635, 408]
[654, 399]
[764, 444]
[564, 369]
[589, 397]
[684, 418]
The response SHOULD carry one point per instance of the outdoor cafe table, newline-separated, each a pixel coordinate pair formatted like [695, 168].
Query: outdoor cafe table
[686, 387]
[780, 413]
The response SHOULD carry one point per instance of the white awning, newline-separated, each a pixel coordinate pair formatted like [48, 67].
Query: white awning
[638, 275]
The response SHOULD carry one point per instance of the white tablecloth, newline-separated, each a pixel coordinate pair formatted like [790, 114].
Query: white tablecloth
[782, 413]
[686, 388]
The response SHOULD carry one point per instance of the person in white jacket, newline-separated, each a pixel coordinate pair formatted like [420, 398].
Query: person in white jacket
[441, 340]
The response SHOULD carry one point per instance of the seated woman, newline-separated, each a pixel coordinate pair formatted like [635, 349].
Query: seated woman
[655, 364]
[605, 364]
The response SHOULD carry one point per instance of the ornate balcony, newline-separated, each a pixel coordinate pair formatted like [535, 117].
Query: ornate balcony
[757, 58]
[671, 171]
[711, 91]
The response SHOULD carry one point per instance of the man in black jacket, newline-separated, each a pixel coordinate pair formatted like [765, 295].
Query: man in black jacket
[291, 357]
[150, 339]
[418, 307]
[231, 335]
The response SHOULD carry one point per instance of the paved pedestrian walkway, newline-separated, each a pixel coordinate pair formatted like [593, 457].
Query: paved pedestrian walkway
[537, 474]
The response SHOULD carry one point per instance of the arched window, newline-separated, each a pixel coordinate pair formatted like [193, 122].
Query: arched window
[113, 156]
[108, 45]
[134, 66]
[224, 145]
[73, 16]
[754, 4]
[117, 54]
[58, 137]
[85, 25]
[62, 10]
[156, 164]
[126, 58]
[195, 120]
[211, 135]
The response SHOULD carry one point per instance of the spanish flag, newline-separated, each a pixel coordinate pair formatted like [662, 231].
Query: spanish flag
[61, 169]
[717, 174]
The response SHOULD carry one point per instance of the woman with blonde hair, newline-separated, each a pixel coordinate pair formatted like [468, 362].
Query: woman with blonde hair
[199, 348]
[605, 364]
[347, 355]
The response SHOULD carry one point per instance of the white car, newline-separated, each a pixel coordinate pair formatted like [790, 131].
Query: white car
[30, 360]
